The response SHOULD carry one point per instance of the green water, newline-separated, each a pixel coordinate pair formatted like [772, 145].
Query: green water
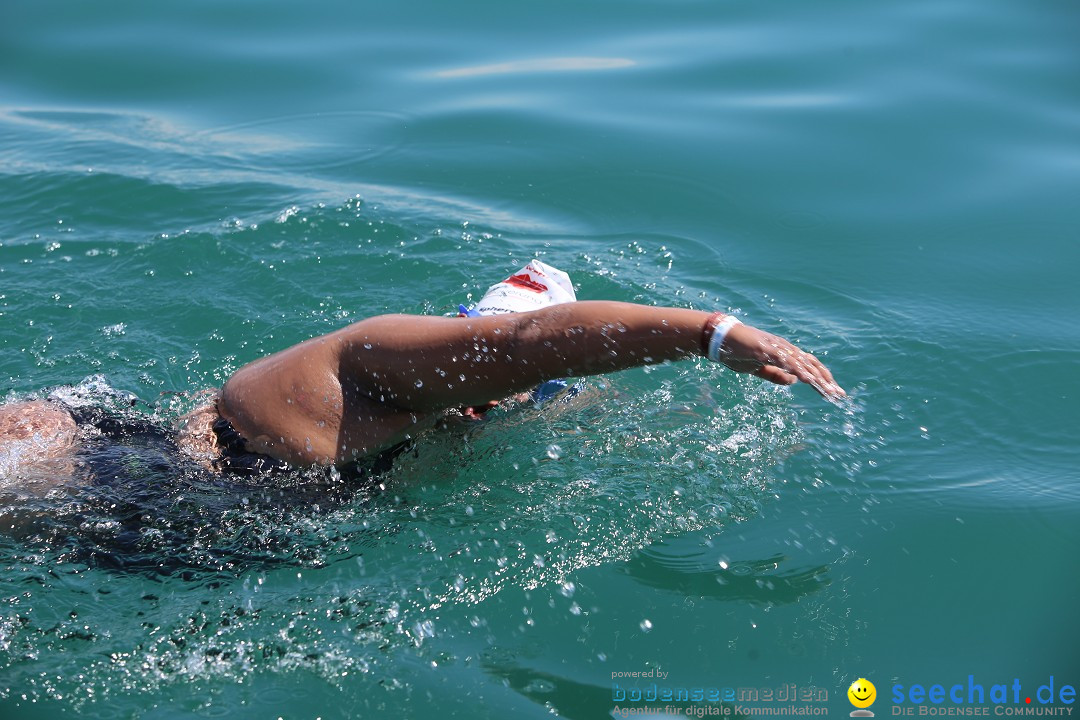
[184, 187]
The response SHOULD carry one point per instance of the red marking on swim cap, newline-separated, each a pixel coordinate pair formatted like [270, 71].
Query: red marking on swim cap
[525, 281]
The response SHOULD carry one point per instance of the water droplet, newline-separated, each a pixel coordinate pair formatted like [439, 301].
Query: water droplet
[554, 452]
[419, 383]
[646, 625]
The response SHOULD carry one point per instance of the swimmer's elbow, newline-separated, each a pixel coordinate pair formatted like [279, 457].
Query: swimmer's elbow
[552, 342]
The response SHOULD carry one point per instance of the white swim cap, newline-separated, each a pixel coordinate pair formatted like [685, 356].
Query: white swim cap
[532, 287]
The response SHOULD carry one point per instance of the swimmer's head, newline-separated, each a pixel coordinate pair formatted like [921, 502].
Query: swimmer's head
[533, 287]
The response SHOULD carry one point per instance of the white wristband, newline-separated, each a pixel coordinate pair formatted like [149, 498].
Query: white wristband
[720, 331]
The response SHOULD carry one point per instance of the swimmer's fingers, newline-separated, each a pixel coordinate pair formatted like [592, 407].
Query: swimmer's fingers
[476, 412]
[809, 370]
[777, 360]
[775, 375]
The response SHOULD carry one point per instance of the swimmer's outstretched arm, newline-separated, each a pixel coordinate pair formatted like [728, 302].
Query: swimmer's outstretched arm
[367, 386]
[424, 363]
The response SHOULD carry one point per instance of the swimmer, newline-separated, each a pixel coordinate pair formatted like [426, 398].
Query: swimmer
[368, 387]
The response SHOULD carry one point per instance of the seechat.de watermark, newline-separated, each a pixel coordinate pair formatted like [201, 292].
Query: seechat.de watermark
[966, 698]
[971, 697]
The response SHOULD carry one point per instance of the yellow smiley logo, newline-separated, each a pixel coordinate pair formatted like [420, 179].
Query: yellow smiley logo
[862, 693]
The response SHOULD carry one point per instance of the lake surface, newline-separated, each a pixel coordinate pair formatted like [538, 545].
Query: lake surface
[893, 185]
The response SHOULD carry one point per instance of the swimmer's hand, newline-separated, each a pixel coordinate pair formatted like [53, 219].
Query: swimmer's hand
[477, 412]
[749, 350]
